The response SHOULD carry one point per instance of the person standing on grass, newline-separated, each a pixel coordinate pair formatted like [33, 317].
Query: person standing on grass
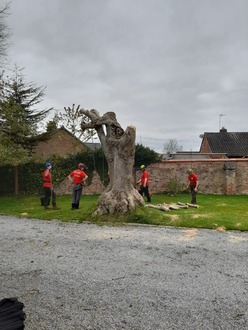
[144, 183]
[48, 188]
[77, 177]
[193, 183]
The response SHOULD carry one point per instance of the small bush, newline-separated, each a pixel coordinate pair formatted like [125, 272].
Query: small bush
[174, 187]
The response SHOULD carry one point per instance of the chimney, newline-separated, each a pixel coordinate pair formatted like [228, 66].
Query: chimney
[223, 130]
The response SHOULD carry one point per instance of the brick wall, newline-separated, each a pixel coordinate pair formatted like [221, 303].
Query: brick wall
[204, 146]
[216, 176]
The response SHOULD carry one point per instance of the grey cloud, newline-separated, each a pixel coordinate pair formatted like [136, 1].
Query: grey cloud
[168, 67]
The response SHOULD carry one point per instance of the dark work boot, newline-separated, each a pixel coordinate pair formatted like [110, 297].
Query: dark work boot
[55, 207]
[77, 206]
[193, 200]
[73, 206]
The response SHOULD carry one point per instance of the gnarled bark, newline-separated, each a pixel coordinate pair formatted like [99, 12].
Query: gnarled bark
[119, 148]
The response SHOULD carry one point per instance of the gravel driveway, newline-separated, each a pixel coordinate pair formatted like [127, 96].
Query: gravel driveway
[82, 276]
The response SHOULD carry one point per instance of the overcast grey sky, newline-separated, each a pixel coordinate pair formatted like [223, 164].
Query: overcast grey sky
[168, 67]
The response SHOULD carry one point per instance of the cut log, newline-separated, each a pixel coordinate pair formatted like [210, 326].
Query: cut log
[168, 207]
[193, 205]
[185, 206]
[174, 207]
[159, 207]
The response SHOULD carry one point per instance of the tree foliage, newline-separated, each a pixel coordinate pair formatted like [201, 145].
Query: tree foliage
[19, 117]
[13, 148]
[51, 126]
[145, 155]
[12, 154]
[19, 120]
[26, 94]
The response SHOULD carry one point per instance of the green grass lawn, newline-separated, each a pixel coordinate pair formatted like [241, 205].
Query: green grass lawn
[214, 212]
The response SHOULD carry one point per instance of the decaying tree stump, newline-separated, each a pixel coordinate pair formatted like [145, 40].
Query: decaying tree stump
[119, 149]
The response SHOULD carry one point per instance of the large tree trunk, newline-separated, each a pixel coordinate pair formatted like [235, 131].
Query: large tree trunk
[119, 149]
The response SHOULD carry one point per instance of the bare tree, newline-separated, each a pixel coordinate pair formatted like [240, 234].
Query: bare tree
[171, 147]
[119, 149]
[70, 119]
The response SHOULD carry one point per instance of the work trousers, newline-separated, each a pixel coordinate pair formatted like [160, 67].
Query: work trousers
[48, 193]
[144, 190]
[76, 193]
[193, 195]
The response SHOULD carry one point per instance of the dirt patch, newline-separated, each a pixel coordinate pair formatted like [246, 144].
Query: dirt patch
[173, 217]
[197, 216]
[221, 229]
[189, 234]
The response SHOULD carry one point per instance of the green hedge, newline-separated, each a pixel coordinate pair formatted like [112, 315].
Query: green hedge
[30, 174]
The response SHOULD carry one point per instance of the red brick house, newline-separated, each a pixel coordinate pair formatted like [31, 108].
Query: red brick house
[60, 142]
[233, 144]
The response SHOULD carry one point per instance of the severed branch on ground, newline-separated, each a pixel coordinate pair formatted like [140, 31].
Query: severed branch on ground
[167, 207]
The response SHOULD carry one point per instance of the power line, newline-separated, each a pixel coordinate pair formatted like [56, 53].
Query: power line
[157, 144]
[164, 139]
